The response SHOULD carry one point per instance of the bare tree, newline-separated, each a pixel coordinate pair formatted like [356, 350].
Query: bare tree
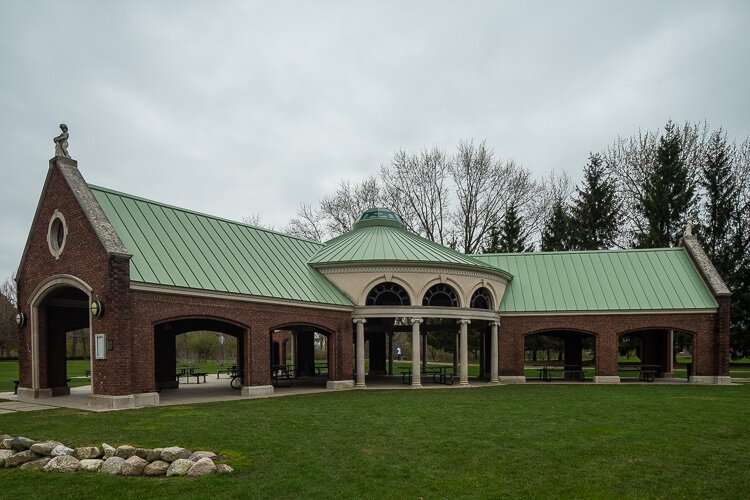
[8, 311]
[255, 219]
[343, 208]
[485, 187]
[309, 224]
[415, 187]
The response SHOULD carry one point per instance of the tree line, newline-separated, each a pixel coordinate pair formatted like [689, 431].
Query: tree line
[640, 192]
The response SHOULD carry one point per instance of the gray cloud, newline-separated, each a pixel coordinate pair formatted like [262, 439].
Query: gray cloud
[232, 108]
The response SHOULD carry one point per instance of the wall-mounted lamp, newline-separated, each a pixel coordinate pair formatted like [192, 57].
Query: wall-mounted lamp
[97, 309]
[20, 320]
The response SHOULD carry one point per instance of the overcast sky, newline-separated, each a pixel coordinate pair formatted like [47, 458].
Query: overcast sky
[233, 108]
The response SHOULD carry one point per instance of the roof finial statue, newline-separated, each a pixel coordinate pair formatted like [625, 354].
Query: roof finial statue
[61, 142]
[689, 228]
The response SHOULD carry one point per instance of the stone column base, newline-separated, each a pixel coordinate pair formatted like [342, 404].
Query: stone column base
[29, 393]
[512, 379]
[146, 399]
[709, 379]
[340, 385]
[495, 381]
[105, 402]
[418, 385]
[607, 379]
[256, 391]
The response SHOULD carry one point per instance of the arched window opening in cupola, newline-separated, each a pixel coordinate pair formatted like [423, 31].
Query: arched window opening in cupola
[440, 295]
[481, 299]
[388, 294]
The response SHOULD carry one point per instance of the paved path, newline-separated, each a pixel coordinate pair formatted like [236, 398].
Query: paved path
[16, 406]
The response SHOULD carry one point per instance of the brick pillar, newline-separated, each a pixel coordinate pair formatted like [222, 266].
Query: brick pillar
[341, 352]
[607, 354]
[510, 345]
[259, 355]
[722, 336]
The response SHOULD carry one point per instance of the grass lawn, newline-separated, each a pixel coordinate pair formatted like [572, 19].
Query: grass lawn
[512, 441]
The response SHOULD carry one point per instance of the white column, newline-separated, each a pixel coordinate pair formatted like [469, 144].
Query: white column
[360, 322]
[416, 369]
[464, 349]
[493, 352]
[669, 369]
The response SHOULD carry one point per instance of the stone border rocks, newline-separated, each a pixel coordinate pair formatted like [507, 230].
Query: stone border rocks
[125, 460]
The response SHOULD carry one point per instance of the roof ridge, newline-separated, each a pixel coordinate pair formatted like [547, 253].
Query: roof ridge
[202, 214]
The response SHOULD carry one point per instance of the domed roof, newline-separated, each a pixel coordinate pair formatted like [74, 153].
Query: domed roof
[379, 236]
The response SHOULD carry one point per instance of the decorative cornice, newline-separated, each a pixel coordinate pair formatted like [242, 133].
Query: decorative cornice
[457, 313]
[396, 268]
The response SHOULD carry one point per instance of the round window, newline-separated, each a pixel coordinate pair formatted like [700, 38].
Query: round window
[57, 234]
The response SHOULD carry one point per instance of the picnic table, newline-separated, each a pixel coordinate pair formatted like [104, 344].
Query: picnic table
[569, 372]
[230, 371]
[646, 373]
[189, 372]
[281, 375]
[440, 374]
[320, 367]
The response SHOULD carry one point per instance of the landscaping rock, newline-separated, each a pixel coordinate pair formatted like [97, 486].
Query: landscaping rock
[87, 452]
[91, 464]
[142, 453]
[3, 437]
[133, 466]
[37, 464]
[113, 465]
[21, 458]
[202, 467]
[197, 455]
[62, 463]
[157, 468]
[173, 453]
[44, 448]
[125, 451]
[5, 454]
[179, 467]
[154, 455]
[109, 451]
[224, 469]
[61, 449]
[21, 443]
[5, 444]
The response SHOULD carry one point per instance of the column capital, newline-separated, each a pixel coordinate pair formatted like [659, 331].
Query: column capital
[415, 321]
[359, 320]
[495, 324]
[464, 321]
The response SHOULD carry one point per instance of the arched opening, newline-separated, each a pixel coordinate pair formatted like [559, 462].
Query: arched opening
[440, 295]
[195, 352]
[388, 294]
[660, 353]
[481, 299]
[300, 356]
[62, 320]
[560, 355]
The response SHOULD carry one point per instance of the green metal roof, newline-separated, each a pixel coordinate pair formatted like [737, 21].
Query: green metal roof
[615, 280]
[385, 242]
[176, 247]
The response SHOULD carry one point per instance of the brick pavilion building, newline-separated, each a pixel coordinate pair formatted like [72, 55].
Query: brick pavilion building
[138, 273]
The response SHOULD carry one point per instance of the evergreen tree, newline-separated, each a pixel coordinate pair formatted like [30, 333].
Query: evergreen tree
[556, 235]
[595, 214]
[493, 242]
[721, 197]
[668, 194]
[511, 235]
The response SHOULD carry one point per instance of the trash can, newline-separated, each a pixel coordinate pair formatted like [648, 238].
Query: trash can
[689, 367]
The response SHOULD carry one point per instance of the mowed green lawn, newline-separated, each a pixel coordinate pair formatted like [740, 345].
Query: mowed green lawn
[536, 441]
